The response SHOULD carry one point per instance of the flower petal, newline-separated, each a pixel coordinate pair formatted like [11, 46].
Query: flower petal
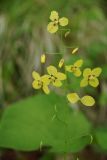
[35, 75]
[96, 71]
[78, 63]
[45, 79]
[35, 85]
[73, 97]
[52, 28]
[94, 82]
[77, 73]
[57, 83]
[43, 58]
[68, 68]
[88, 100]
[63, 21]
[75, 50]
[87, 72]
[52, 70]
[84, 82]
[54, 16]
[46, 89]
[61, 63]
[61, 76]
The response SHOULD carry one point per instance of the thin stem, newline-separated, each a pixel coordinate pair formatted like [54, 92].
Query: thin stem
[1, 85]
[65, 157]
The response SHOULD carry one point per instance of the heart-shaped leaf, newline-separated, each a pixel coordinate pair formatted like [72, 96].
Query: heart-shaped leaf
[44, 120]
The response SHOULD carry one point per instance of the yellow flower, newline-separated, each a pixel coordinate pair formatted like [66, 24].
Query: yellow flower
[61, 63]
[75, 68]
[90, 77]
[55, 22]
[40, 82]
[86, 100]
[43, 58]
[55, 77]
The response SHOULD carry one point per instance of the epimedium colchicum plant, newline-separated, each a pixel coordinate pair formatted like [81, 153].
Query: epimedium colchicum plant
[55, 77]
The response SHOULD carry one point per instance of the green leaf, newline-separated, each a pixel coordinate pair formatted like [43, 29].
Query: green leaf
[44, 120]
[101, 138]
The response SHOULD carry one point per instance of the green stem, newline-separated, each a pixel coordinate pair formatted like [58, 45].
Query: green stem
[65, 158]
[1, 85]
[62, 46]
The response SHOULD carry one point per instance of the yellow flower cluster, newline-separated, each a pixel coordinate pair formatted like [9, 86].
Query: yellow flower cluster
[75, 68]
[40, 82]
[89, 77]
[55, 78]
[56, 22]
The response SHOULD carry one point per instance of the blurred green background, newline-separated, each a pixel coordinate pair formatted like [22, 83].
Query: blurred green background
[23, 37]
